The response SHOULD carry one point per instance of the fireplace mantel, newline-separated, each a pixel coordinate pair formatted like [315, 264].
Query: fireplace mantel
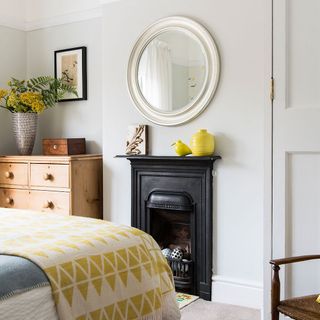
[168, 158]
[156, 176]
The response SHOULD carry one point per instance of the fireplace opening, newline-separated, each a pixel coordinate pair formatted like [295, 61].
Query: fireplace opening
[171, 229]
[170, 224]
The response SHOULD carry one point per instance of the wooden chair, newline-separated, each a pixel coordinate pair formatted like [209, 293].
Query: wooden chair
[302, 308]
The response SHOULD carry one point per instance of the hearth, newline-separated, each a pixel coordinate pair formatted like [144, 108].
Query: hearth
[172, 201]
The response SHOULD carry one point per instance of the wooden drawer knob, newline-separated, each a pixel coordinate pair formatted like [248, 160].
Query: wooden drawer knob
[55, 147]
[48, 177]
[8, 174]
[9, 201]
[48, 205]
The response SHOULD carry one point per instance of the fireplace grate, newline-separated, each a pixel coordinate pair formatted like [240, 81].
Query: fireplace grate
[182, 273]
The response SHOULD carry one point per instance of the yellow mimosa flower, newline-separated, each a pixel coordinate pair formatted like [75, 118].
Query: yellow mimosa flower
[13, 100]
[38, 106]
[28, 98]
[3, 93]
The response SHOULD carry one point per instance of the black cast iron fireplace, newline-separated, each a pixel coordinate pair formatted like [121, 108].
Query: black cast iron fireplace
[172, 201]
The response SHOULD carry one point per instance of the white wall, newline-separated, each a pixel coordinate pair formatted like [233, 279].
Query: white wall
[236, 116]
[77, 118]
[12, 64]
[29, 54]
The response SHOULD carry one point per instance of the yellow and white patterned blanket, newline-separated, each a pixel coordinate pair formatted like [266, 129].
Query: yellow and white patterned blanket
[97, 270]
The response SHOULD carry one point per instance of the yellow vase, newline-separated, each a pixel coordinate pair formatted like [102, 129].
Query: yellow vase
[181, 148]
[202, 143]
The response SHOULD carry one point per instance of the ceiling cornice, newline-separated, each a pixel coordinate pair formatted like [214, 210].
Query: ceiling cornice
[64, 19]
[82, 15]
[102, 2]
[14, 23]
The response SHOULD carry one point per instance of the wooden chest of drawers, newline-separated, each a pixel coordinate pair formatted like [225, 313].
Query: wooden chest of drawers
[70, 185]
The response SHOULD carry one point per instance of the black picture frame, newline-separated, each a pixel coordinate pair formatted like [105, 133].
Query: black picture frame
[76, 58]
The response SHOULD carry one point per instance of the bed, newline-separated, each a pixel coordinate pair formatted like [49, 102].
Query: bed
[66, 267]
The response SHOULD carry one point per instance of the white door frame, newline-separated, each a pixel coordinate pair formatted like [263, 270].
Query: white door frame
[268, 163]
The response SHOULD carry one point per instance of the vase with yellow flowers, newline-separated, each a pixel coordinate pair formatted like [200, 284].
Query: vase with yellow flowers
[25, 100]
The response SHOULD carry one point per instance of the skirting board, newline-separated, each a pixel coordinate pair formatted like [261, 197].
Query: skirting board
[233, 291]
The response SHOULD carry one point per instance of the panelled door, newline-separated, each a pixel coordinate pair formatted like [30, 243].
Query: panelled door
[296, 140]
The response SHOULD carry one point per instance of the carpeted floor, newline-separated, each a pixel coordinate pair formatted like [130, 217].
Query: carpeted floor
[206, 310]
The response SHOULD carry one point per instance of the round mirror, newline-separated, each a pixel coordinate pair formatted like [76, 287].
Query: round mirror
[173, 71]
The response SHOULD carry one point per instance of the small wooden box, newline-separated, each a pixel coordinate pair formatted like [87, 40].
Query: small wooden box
[63, 147]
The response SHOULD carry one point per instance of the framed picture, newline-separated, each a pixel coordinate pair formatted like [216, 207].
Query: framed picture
[71, 65]
[137, 140]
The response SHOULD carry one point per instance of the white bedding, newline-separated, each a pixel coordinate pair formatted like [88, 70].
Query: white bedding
[36, 304]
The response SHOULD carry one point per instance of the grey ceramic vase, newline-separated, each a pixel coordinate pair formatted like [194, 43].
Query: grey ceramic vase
[24, 130]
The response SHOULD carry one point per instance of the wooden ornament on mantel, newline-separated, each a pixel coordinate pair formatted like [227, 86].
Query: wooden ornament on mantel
[136, 143]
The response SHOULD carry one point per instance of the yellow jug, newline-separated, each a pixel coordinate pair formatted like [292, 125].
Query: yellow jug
[181, 148]
[202, 143]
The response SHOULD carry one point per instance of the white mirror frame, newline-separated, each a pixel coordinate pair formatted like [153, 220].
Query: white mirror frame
[194, 108]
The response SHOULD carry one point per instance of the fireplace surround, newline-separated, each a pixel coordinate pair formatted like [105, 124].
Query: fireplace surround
[172, 199]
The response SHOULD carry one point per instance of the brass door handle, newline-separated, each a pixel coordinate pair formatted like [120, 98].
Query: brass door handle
[48, 176]
[48, 205]
[9, 175]
[9, 200]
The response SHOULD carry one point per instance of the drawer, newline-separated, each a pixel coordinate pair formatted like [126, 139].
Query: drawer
[14, 173]
[50, 201]
[49, 175]
[14, 198]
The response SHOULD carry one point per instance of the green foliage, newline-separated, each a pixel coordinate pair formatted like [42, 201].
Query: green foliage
[52, 89]
[34, 95]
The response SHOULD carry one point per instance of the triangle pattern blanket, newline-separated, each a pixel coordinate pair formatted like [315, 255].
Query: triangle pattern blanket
[97, 270]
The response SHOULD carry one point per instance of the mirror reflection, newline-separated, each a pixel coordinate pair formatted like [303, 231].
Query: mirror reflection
[172, 71]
